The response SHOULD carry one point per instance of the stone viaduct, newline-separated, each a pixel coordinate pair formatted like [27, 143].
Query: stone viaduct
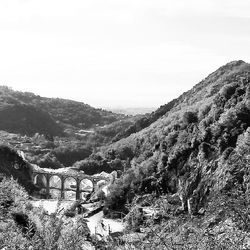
[78, 183]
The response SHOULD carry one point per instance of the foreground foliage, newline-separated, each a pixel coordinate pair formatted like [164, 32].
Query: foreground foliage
[24, 227]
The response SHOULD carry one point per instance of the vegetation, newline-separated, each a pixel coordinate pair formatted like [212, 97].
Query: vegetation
[55, 133]
[145, 121]
[12, 164]
[24, 227]
[188, 151]
[189, 165]
[60, 111]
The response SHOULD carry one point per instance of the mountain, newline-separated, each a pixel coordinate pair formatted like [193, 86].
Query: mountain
[55, 133]
[26, 113]
[192, 159]
[222, 92]
[197, 146]
[184, 173]
[27, 119]
[208, 86]
[145, 121]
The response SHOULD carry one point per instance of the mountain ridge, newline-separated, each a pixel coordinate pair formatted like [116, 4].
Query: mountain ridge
[188, 168]
[193, 149]
[176, 104]
[148, 119]
[61, 113]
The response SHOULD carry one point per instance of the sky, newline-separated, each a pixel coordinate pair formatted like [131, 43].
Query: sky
[119, 53]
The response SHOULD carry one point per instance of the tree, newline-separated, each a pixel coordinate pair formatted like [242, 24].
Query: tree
[189, 117]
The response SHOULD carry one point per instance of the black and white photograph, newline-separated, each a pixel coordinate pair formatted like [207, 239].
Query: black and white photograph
[124, 125]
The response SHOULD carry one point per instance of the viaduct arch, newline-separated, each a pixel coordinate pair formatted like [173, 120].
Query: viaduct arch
[65, 184]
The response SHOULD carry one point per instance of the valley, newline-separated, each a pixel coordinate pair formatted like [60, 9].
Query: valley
[177, 178]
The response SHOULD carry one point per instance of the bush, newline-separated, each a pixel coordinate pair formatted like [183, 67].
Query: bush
[203, 112]
[48, 161]
[52, 232]
[189, 117]
[228, 90]
[71, 153]
[12, 196]
[92, 166]
[135, 219]
[172, 139]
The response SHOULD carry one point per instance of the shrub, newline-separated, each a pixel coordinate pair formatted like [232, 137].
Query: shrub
[92, 166]
[12, 196]
[49, 161]
[135, 219]
[228, 90]
[189, 117]
[52, 233]
[71, 153]
[204, 111]
[172, 139]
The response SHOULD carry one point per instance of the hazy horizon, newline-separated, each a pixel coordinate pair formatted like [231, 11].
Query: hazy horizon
[117, 53]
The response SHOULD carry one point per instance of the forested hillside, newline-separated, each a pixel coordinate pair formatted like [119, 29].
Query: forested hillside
[188, 162]
[145, 121]
[196, 147]
[209, 104]
[26, 113]
[55, 133]
[180, 102]
[198, 152]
